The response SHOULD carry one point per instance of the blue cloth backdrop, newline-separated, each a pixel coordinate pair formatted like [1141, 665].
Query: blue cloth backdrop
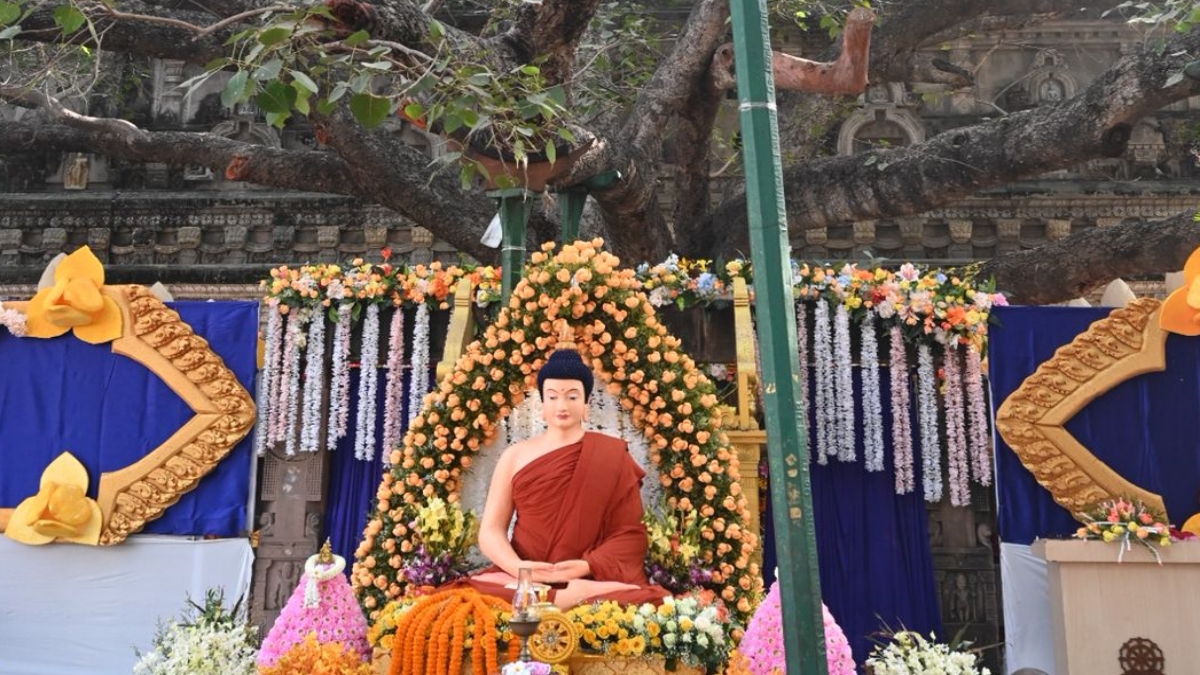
[1144, 428]
[354, 482]
[872, 545]
[109, 411]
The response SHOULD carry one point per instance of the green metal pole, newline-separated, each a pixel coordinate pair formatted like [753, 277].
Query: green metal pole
[787, 451]
[515, 207]
[571, 203]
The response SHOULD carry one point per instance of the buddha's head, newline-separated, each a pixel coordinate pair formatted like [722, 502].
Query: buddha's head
[565, 384]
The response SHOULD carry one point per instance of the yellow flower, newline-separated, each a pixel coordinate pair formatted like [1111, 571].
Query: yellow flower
[61, 508]
[77, 300]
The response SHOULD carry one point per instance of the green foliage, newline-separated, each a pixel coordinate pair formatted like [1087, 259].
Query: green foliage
[291, 64]
[825, 15]
[616, 58]
[1178, 15]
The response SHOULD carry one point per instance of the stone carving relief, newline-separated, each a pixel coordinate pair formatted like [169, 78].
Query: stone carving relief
[885, 118]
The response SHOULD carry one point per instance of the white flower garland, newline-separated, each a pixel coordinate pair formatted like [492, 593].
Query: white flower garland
[927, 408]
[823, 355]
[981, 460]
[368, 382]
[13, 320]
[902, 443]
[318, 573]
[266, 378]
[872, 397]
[418, 383]
[843, 389]
[314, 385]
[339, 380]
[291, 386]
[393, 397]
[956, 433]
[802, 357]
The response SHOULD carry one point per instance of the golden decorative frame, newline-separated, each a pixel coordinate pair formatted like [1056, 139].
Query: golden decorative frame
[1125, 344]
[156, 337]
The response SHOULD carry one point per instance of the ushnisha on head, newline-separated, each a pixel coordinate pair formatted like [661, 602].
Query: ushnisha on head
[566, 364]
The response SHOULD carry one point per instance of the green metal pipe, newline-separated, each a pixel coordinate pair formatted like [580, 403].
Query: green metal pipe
[787, 446]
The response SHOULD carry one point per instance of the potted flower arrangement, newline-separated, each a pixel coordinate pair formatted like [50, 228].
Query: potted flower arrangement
[911, 653]
[674, 559]
[207, 640]
[1126, 522]
[444, 532]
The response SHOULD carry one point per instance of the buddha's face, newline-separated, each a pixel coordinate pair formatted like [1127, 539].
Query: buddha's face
[564, 405]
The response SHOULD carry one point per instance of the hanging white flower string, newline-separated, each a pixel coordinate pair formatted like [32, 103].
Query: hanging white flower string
[927, 410]
[902, 443]
[843, 388]
[956, 434]
[418, 383]
[823, 355]
[291, 401]
[268, 374]
[393, 394]
[802, 357]
[339, 379]
[368, 379]
[872, 397]
[277, 365]
[981, 460]
[314, 384]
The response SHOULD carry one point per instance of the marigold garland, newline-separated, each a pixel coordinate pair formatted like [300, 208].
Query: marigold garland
[311, 657]
[431, 637]
[668, 398]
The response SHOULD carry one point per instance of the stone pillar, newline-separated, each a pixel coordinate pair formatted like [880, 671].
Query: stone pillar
[422, 246]
[912, 233]
[960, 239]
[292, 501]
[1008, 233]
[1057, 229]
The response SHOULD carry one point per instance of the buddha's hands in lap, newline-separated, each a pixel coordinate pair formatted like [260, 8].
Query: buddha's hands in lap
[563, 572]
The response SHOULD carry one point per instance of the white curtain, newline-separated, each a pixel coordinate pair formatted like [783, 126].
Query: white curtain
[83, 610]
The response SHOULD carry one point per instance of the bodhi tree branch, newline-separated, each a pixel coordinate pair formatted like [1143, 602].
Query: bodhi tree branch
[1073, 266]
[914, 179]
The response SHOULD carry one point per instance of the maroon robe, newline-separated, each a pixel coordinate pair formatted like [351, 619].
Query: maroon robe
[583, 502]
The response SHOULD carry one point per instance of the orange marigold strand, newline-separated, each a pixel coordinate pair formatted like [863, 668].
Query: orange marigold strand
[439, 636]
[460, 638]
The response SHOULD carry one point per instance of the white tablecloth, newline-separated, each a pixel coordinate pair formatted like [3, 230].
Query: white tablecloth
[82, 610]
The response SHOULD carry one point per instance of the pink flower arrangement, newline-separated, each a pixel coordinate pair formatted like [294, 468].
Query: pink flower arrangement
[337, 618]
[761, 650]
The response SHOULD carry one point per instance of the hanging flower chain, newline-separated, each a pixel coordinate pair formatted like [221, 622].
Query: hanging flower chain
[843, 387]
[419, 380]
[393, 399]
[826, 414]
[802, 356]
[266, 400]
[956, 433]
[981, 460]
[368, 379]
[931, 451]
[901, 414]
[339, 380]
[291, 400]
[872, 401]
[314, 386]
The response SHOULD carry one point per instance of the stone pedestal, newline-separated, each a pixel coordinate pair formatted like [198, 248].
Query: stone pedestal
[1099, 607]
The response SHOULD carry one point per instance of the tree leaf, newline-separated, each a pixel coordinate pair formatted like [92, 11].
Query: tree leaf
[273, 36]
[325, 107]
[69, 19]
[452, 123]
[277, 120]
[378, 65]
[370, 110]
[277, 98]
[232, 93]
[301, 80]
[357, 38]
[1174, 79]
[10, 32]
[551, 152]
[302, 96]
[414, 111]
[268, 70]
[9, 12]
